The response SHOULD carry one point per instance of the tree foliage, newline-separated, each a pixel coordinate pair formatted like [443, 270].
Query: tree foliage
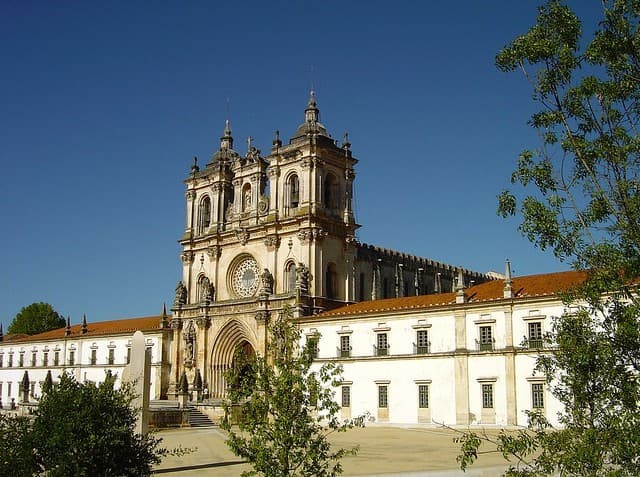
[82, 429]
[582, 200]
[36, 318]
[16, 455]
[286, 409]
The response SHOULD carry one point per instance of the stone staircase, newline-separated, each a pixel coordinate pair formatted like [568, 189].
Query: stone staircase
[198, 419]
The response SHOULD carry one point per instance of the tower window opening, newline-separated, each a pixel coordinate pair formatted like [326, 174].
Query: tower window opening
[294, 191]
[205, 214]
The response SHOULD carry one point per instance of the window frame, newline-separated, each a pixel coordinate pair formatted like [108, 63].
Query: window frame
[423, 396]
[534, 335]
[537, 389]
[345, 395]
[383, 396]
[488, 401]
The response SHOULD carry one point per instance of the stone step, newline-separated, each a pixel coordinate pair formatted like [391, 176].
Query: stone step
[198, 419]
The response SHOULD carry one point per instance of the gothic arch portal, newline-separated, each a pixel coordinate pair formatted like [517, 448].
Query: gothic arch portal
[231, 337]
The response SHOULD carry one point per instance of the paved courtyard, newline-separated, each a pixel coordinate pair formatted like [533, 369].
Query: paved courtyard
[384, 451]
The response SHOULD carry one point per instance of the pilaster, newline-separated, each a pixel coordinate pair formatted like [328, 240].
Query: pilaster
[461, 369]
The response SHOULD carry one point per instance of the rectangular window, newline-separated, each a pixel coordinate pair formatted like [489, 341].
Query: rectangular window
[32, 391]
[383, 344]
[72, 358]
[112, 353]
[537, 395]
[423, 395]
[10, 360]
[0, 393]
[422, 342]
[128, 355]
[487, 396]
[345, 346]
[1, 360]
[33, 359]
[21, 360]
[45, 358]
[312, 346]
[346, 396]
[383, 396]
[94, 358]
[9, 390]
[486, 340]
[56, 358]
[535, 334]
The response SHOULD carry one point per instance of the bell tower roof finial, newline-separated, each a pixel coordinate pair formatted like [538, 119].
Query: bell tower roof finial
[312, 112]
[226, 141]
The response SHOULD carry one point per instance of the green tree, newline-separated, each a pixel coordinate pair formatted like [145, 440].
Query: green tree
[16, 447]
[286, 410]
[581, 198]
[79, 429]
[89, 429]
[36, 318]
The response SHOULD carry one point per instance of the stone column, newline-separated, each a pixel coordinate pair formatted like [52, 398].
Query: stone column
[176, 325]
[138, 373]
[461, 369]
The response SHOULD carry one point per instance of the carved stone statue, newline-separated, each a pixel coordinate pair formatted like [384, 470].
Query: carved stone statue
[266, 283]
[181, 295]
[189, 343]
[302, 277]
[207, 291]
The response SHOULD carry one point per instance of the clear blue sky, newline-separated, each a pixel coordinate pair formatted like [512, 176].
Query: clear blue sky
[103, 105]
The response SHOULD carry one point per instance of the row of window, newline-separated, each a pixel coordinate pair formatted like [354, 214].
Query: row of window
[422, 345]
[56, 358]
[487, 390]
[330, 199]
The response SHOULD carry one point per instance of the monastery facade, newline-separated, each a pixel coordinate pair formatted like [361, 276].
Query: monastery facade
[420, 341]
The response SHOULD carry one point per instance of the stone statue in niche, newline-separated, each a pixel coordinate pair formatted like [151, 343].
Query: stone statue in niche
[207, 291]
[246, 205]
[181, 295]
[266, 283]
[302, 277]
[189, 344]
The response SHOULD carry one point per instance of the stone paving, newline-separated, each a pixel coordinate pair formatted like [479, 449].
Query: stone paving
[384, 451]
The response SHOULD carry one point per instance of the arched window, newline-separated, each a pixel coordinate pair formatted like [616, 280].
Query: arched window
[204, 214]
[290, 277]
[331, 280]
[246, 197]
[330, 192]
[294, 190]
[361, 288]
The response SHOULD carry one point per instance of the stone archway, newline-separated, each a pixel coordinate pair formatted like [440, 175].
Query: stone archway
[230, 338]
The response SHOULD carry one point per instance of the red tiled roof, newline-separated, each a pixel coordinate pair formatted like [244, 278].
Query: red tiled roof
[128, 325]
[548, 284]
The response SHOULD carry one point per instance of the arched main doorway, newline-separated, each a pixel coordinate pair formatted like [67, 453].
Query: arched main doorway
[231, 337]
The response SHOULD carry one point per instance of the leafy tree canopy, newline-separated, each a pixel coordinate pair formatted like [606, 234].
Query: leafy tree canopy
[36, 318]
[579, 195]
[286, 410]
[79, 429]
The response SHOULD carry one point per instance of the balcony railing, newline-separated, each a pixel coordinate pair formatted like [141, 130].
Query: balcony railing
[422, 349]
[534, 343]
[343, 353]
[382, 351]
[486, 345]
